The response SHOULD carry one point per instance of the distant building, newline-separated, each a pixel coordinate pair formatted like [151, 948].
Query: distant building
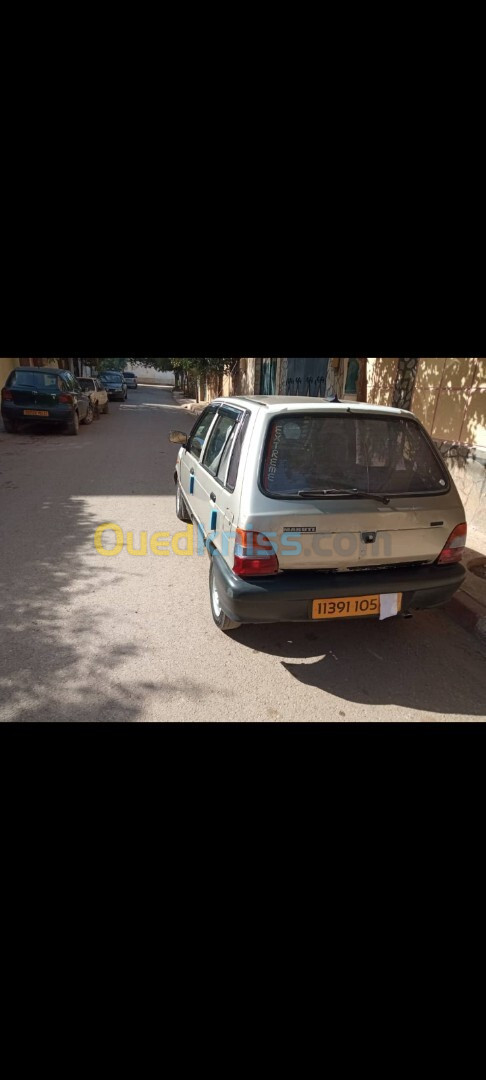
[151, 375]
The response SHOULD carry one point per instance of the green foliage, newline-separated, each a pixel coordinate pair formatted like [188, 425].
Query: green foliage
[111, 363]
[201, 365]
[197, 365]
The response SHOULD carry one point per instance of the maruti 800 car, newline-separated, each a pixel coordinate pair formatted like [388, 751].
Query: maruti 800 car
[313, 510]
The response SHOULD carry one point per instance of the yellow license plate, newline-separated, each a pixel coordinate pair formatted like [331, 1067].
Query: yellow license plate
[347, 607]
[35, 412]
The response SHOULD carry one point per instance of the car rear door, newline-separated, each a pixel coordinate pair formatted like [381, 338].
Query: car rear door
[215, 511]
[346, 532]
[35, 390]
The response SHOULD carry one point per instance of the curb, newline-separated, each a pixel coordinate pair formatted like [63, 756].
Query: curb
[188, 403]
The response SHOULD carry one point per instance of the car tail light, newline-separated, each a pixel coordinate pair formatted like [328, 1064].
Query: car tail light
[254, 555]
[7, 394]
[454, 549]
[65, 399]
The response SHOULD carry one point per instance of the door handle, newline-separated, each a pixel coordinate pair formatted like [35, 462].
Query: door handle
[212, 497]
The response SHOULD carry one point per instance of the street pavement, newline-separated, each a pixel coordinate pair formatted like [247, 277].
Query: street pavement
[86, 637]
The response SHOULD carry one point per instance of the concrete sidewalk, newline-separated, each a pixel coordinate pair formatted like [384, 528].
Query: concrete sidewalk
[189, 403]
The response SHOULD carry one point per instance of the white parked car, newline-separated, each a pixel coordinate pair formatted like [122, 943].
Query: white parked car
[96, 392]
[315, 510]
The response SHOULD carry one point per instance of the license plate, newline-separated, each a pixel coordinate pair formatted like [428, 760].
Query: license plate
[35, 412]
[347, 607]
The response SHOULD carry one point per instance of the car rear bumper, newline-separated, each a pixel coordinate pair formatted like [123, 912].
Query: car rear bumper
[57, 414]
[288, 597]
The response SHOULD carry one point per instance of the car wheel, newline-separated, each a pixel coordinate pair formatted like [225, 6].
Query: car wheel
[221, 620]
[181, 508]
[105, 408]
[73, 425]
[89, 415]
[10, 427]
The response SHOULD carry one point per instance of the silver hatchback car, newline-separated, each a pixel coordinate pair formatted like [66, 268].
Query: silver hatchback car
[313, 510]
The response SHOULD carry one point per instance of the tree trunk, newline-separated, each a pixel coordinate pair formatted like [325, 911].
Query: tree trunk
[405, 383]
[363, 379]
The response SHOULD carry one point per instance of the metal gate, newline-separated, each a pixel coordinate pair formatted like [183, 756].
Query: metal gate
[307, 376]
[269, 376]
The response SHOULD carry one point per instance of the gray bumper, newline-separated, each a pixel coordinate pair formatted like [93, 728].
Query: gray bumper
[288, 597]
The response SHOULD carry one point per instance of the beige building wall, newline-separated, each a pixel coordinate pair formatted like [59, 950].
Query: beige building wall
[382, 374]
[450, 398]
[6, 365]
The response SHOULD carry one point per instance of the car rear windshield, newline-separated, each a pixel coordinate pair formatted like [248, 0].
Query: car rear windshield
[386, 455]
[38, 380]
[111, 378]
[86, 384]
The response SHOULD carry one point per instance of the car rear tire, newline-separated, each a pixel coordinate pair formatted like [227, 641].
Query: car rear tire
[10, 427]
[72, 427]
[105, 408]
[181, 508]
[221, 620]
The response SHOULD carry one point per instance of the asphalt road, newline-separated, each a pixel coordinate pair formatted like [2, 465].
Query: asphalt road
[131, 638]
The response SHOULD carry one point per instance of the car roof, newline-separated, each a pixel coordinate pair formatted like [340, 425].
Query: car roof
[52, 370]
[277, 404]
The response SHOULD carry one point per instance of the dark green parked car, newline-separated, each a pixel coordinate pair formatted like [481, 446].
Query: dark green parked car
[47, 394]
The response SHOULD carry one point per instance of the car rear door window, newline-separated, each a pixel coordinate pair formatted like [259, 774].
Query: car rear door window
[219, 440]
[232, 454]
[34, 380]
[377, 454]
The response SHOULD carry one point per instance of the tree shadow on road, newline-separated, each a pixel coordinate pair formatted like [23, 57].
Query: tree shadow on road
[55, 662]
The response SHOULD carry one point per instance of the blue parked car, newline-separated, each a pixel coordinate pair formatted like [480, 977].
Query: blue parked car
[114, 384]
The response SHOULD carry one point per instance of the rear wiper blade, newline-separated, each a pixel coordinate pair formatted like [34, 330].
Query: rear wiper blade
[355, 493]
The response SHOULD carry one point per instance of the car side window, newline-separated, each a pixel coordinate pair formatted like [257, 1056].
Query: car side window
[198, 434]
[218, 440]
[237, 446]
